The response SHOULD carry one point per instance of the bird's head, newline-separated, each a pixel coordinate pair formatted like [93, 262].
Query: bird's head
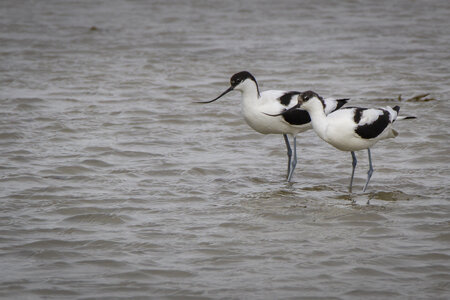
[239, 81]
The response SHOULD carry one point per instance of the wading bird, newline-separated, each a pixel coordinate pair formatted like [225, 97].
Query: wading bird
[350, 128]
[258, 107]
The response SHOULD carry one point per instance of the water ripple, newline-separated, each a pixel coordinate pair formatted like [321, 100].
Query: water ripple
[114, 184]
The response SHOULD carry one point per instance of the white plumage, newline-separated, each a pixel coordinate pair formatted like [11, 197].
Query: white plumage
[350, 128]
[262, 112]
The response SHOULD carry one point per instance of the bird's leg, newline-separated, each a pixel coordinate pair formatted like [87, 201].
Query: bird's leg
[370, 172]
[289, 154]
[294, 160]
[354, 162]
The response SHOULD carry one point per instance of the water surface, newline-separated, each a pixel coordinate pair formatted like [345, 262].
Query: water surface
[114, 185]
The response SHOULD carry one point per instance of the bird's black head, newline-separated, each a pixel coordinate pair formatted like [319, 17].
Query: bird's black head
[241, 77]
[306, 96]
[235, 80]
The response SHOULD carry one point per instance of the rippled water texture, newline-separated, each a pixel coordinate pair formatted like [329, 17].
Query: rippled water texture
[113, 184]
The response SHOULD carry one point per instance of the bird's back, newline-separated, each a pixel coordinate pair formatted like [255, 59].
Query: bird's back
[356, 128]
[273, 102]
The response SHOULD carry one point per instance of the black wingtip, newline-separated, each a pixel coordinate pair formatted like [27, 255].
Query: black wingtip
[274, 115]
[396, 108]
[341, 102]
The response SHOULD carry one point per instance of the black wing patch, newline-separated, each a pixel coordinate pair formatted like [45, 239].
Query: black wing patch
[297, 117]
[372, 130]
[396, 108]
[341, 102]
[357, 114]
[286, 98]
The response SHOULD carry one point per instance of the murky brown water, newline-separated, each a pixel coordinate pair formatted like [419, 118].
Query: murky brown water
[114, 185]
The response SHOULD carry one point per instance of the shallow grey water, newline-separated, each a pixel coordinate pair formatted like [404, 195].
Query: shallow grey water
[114, 185]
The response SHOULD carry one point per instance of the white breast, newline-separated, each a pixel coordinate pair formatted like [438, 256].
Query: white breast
[255, 112]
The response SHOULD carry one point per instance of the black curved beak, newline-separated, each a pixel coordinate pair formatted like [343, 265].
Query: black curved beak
[297, 106]
[226, 92]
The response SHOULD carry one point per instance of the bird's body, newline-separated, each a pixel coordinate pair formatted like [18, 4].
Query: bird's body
[350, 128]
[262, 111]
[355, 128]
[258, 111]
[254, 109]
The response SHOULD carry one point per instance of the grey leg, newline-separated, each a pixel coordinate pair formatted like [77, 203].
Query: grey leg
[289, 154]
[294, 160]
[354, 162]
[370, 172]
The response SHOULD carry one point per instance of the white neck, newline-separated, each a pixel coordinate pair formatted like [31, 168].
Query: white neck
[249, 90]
[319, 120]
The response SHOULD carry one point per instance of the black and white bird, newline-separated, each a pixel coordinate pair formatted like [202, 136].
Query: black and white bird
[258, 107]
[350, 128]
